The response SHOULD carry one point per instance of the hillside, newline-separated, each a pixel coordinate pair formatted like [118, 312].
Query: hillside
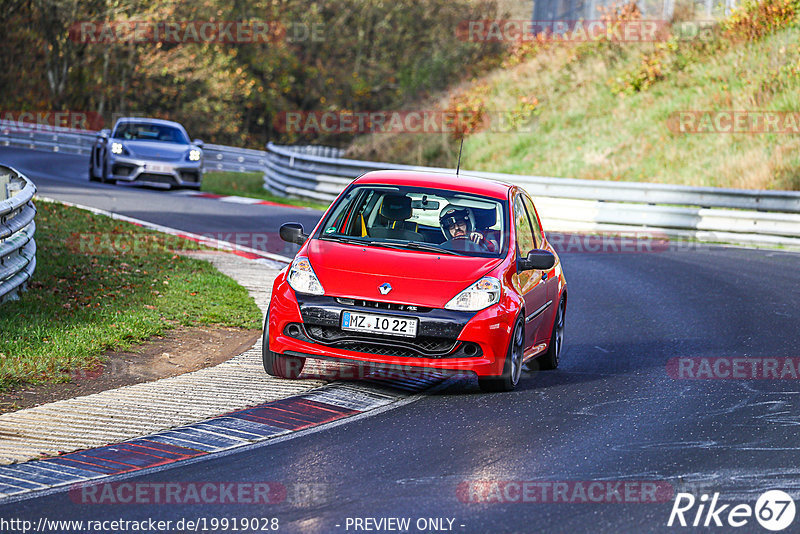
[611, 110]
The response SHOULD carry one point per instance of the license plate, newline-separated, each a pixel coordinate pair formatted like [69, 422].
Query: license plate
[158, 168]
[379, 324]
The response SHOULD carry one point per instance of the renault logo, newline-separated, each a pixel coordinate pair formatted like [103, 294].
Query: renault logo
[385, 288]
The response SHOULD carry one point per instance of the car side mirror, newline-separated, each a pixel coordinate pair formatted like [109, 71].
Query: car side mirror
[293, 233]
[104, 133]
[541, 260]
[198, 143]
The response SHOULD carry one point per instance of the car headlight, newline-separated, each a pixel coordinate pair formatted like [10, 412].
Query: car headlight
[302, 278]
[478, 296]
[194, 154]
[117, 148]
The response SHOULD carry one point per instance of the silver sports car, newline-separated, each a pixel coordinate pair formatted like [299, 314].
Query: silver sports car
[151, 152]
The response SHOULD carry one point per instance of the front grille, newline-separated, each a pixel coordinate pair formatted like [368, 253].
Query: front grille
[121, 169]
[379, 350]
[422, 346]
[156, 178]
[422, 343]
[160, 157]
[382, 305]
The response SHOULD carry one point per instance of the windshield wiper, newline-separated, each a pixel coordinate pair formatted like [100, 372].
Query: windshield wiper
[416, 245]
[430, 248]
[346, 239]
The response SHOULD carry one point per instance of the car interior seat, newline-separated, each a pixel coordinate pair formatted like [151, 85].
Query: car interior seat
[484, 220]
[396, 209]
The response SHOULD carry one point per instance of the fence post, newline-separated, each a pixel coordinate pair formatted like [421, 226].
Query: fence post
[5, 194]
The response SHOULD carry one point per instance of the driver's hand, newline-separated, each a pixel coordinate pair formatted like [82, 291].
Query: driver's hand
[476, 237]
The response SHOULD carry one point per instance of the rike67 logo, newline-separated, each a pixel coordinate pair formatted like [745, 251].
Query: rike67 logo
[774, 510]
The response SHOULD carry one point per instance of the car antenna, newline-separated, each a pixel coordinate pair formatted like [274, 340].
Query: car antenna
[458, 167]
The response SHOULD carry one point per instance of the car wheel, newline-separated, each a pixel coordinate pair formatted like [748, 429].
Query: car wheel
[278, 365]
[512, 368]
[550, 359]
[92, 176]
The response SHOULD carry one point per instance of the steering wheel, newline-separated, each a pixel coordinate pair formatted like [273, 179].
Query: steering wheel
[463, 242]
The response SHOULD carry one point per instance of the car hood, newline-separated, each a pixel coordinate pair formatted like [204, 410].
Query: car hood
[420, 278]
[156, 150]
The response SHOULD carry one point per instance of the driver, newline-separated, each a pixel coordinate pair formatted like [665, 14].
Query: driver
[459, 223]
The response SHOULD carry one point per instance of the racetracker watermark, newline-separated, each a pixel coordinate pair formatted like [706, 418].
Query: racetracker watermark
[583, 31]
[733, 368]
[567, 491]
[110, 243]
[416, 122]
[195, 31]
[178, 493]
[734, 122]
[47, 120]
[324, 370]
[618, 243]
[565, 31]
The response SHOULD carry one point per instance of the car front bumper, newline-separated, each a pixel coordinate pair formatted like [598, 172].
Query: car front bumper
[309, 326]
[155, 173]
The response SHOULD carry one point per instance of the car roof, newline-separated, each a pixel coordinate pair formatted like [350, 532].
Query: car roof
[149, 121]
[452, 182]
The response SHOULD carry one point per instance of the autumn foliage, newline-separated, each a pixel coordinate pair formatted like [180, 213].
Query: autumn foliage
[330, 55]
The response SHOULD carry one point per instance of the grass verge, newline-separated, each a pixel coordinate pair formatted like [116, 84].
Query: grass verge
[251, 185]
[101, 285]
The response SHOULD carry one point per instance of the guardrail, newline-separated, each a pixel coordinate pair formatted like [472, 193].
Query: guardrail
[564, 204]
[70, 141]
[17, 226]
[41, 137]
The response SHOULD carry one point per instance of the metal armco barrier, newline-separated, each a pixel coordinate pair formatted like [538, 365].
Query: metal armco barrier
[565, 204]
[225, 158]
[51, 138]
[17, 247]
[69, 141]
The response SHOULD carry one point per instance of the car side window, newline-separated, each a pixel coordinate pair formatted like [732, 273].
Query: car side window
[537, 230]
[525, 242]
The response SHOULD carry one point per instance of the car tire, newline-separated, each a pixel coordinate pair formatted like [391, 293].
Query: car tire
[512, 368]
[549, 360]
[92, 176]
[278, 365]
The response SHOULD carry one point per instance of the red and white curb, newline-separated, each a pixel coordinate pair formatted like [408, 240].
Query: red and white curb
[238, 200]
[329, 404]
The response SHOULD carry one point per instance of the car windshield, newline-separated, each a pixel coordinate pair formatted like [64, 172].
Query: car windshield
[424, 219]
[143, 131]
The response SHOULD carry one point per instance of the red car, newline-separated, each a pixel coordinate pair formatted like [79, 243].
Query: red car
[425, 270]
